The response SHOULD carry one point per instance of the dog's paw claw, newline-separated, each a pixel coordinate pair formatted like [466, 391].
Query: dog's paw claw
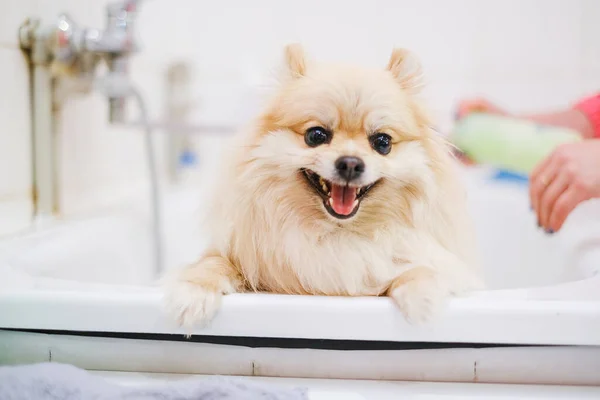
[191, 305]
[419, 300]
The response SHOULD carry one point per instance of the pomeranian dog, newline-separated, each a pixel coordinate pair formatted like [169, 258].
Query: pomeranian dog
[339, 188]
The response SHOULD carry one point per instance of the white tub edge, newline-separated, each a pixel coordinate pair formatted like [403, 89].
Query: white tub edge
[475, 319]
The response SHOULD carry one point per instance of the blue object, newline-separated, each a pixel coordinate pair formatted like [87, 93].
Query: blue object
[503, 175]
[187, 158]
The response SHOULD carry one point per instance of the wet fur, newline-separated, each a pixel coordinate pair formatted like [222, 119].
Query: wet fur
[411, 238]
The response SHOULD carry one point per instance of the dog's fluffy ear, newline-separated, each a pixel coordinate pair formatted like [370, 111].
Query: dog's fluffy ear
[407, 70]
[295, 60]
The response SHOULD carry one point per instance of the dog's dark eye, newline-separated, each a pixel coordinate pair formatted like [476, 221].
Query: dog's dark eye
[317, 136]
[381, 143]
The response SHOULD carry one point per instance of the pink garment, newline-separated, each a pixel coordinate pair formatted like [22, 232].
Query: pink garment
[590, 107]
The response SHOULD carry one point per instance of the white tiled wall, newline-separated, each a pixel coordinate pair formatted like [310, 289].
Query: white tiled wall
[525, 54]
[15, 142]
[97, 163]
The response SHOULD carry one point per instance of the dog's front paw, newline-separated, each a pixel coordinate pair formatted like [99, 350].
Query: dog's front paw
[193, 294]
[191, 304]
[418, 295]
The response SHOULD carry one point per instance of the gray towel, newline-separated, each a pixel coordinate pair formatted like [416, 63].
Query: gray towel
[55, 381]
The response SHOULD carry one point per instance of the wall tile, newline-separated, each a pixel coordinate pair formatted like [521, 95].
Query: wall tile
[99, 164]
[15, 135]
[518, 38]
[463, 44]
[590, 28]
[15, 141]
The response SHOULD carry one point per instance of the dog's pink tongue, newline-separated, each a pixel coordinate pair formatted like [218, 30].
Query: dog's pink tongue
[342, 199]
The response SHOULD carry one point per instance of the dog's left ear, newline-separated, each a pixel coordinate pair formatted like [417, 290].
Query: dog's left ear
[407, 70]
[295, 60]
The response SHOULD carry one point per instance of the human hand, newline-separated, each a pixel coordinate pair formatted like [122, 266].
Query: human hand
[568, 177]
[469, 106]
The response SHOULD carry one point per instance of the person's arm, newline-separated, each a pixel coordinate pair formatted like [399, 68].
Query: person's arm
[589, 108]
[584, 117]
[573, 119]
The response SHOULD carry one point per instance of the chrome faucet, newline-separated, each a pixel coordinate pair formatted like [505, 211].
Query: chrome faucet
[77, 52]
[64, 58]
[117, 42]
[64, 50]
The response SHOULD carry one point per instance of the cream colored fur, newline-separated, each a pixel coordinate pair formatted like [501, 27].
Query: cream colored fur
[411, 238]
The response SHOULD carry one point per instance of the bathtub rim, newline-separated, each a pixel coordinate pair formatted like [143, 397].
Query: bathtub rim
[478, 319]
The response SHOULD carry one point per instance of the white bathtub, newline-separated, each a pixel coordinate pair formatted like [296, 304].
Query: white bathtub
[81, 292]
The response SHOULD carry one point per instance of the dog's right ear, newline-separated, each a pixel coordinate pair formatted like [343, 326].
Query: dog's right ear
[406, 69]
[295, 60]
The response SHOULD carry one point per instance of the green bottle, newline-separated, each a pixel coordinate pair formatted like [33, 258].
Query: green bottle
[512, 144]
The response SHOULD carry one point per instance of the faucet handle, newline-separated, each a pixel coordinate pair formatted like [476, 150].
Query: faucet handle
[120, 22]
[118, 7]
[66, 39]
[121, 10]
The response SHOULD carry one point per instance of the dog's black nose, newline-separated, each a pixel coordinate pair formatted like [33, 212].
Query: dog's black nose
[349, 168]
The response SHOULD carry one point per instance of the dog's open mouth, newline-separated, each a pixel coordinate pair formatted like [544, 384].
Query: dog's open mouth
[341, 201]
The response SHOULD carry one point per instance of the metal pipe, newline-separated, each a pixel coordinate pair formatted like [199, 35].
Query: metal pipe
[118, 65]
[44, 176]
[153, 177]
[34, 40]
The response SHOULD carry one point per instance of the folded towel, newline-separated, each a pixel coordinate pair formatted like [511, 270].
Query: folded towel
[55, 381]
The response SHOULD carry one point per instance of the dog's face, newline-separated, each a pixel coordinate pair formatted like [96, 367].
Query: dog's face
[343, 142]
